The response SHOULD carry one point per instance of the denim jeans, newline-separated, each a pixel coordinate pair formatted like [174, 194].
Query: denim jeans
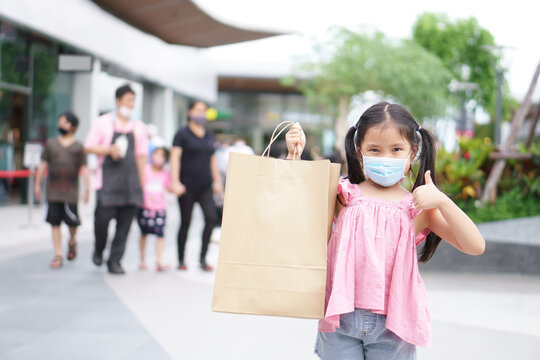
[362, 335]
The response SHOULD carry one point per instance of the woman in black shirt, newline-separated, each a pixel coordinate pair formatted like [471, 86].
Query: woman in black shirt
[196, 177]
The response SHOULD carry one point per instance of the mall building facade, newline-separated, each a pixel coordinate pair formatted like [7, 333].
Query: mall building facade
[72, 54]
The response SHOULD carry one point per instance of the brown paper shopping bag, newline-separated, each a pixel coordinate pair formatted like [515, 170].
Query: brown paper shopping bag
[276, 221]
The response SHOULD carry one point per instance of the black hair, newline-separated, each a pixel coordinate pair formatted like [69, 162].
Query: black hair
[194, 102]
[165, 151]
[123, 90]
[71, 118]
[398, 115]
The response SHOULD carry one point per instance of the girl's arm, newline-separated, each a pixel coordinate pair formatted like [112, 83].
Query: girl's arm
[340, 204]
[446, 219]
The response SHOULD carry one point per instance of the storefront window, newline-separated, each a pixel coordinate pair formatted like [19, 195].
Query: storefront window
[14, 56]
[32, 95]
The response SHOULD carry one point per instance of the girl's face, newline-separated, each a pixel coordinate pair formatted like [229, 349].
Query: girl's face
[386, 141]
[158, 158]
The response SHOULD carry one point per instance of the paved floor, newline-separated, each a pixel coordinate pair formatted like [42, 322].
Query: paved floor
[81, 312]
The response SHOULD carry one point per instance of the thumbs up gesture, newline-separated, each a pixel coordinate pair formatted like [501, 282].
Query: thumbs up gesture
[427, 196]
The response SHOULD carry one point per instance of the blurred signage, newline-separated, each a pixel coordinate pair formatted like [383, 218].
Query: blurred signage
[32, 155]
[75, 63]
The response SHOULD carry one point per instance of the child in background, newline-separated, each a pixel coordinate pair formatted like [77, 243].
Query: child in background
[65, 158]
[151, 218]
[376, 305]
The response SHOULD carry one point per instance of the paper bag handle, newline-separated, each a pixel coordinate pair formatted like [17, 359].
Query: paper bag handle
[287, 124]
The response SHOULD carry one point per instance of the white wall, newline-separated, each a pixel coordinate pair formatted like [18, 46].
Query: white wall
[83, 24]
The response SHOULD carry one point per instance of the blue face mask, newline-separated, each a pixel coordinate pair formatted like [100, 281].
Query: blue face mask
[384, 171]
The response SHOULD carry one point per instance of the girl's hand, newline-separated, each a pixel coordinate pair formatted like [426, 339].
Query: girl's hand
[178, 189]
[428, 196]
[296, 141]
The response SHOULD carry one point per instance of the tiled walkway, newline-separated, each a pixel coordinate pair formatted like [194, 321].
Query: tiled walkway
[81, 312]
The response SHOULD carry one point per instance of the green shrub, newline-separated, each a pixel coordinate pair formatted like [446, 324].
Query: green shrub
[462, 175]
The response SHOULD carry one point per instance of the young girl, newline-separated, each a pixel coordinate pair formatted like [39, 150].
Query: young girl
[376, 305]
[151, 218]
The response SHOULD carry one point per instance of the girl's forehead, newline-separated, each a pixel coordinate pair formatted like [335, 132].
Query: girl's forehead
[384, 133]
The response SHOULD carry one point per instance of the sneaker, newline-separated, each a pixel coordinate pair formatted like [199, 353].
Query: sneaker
[143, 266]
[182, 266]
[206, 267]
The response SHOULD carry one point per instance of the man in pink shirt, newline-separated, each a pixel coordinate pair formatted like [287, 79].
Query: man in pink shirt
[121, 144]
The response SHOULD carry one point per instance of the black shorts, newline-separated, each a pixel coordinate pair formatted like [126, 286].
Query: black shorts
[58, 212]
[151, 221]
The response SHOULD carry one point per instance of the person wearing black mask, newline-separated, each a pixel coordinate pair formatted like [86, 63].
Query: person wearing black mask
[195, 178]
[65, 159]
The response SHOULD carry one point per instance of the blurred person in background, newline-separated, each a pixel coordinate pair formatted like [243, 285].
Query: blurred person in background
[121, 144]
[240, 146]
[154, 140]
[196, 178]
[65, 159]
[222, 157]
[152, 216]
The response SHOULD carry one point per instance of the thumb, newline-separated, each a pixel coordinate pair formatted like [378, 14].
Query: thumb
[427, 177]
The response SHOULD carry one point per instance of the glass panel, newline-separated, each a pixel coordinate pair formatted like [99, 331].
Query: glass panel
[52, 93]
[14, 56]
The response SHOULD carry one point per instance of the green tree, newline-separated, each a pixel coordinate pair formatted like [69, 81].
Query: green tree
[463, 47]
[353, 63]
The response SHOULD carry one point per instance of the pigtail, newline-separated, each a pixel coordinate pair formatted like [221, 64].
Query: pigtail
[355, 172]
[427, 162]
[427, 158]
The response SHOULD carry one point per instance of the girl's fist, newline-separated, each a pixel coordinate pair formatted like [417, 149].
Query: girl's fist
[428, 196]
[296, 141]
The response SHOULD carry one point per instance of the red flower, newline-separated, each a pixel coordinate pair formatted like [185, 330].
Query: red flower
[467, 155]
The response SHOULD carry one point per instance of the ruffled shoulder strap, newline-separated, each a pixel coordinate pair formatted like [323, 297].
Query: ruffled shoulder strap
[346, 189]
[413, 211]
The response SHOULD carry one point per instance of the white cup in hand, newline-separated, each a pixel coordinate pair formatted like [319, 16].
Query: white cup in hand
[122, 144]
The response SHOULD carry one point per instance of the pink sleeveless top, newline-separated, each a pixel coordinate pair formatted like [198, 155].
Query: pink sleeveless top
[372, 264]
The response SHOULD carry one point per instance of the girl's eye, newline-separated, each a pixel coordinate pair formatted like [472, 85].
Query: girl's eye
[373, 150]
[396, 149]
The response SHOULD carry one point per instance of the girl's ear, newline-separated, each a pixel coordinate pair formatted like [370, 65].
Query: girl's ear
[414, 152]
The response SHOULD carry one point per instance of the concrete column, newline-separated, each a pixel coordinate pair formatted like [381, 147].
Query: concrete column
[85, 98]
[158, 109]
